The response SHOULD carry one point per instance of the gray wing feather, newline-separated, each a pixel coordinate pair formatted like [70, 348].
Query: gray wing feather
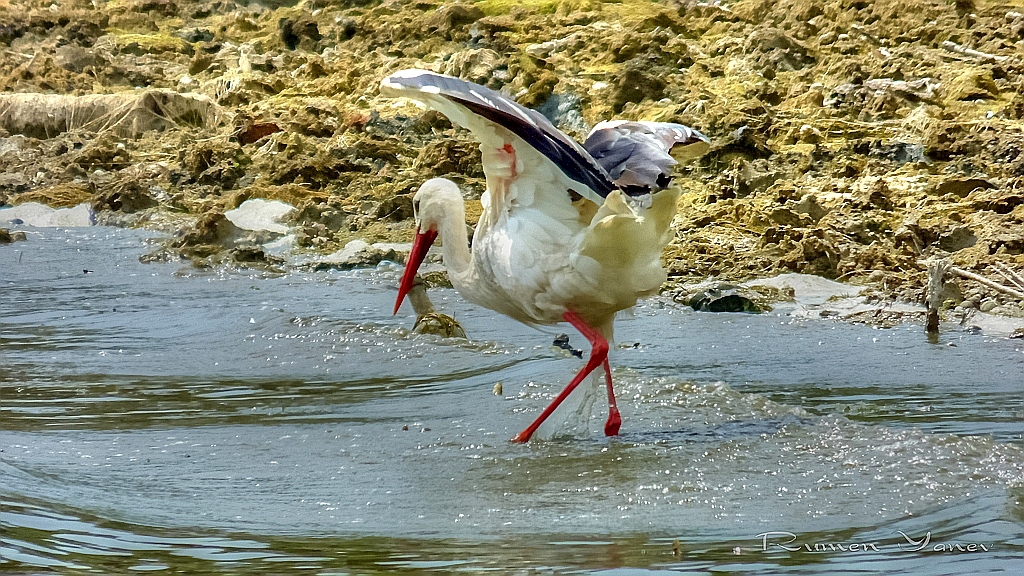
[639, 154]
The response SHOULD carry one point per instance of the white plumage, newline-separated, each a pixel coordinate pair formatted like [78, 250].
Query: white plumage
[558, 239]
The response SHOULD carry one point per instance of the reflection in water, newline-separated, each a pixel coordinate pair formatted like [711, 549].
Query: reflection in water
[151, 420]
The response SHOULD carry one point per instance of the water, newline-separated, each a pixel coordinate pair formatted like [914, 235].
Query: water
[162, 418]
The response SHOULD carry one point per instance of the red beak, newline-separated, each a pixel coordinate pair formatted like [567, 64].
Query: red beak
[420, 245]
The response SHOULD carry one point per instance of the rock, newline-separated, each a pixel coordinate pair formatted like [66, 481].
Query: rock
[75, 58]
[214, 239]
[105, 153]
[193, 34]
[161, 7]
[946, 140]
[636, 85]
[961, 187]
[311, 212]
[808, 205]
[565, 111]
[11, 31]
[973, 84]
[261, 215]
[13, 182]
[899, 152]
[724, 298]
[347, 29]
[482, 66]
[450, 18]
[787, 217]
[488, 30]
[40, 216]
[880, 98]
[212, 228]
[874, 195]
[127, 197]
[538, 88]
[356, 254]
[957, 239]
[813, 255]
[442, 157]
[7, 237]
[998, 200]
[1015, 109]
[546, 49]
[562, 342]
[438, 324]
[779, 52]
[921, 89]
[743, 178]
[315, 234]
[810, 134]
[253, 255]
[428, 320]
[395, 208]
[750, 140]
[249, 131]
[302, 31]
[127, 114]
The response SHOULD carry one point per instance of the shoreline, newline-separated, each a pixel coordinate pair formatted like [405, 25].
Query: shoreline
[276, 251]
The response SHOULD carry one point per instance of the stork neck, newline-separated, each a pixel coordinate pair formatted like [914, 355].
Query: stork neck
[454, 244]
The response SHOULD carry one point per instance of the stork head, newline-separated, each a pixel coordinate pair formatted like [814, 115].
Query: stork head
[429, 205]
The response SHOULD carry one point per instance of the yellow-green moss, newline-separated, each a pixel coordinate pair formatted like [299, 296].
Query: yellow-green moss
[152, 43]
[499, 7]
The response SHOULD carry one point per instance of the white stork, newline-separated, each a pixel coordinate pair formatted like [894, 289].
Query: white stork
[568, 232]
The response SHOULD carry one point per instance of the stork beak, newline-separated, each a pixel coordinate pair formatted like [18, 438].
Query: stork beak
[420, 245]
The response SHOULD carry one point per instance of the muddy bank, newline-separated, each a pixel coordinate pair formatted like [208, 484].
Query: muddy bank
[852, 140]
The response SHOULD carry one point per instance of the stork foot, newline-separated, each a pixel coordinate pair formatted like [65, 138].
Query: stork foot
[598, 356]
[611, 427]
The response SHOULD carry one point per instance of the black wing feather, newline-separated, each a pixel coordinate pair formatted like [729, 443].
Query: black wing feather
[571, 158]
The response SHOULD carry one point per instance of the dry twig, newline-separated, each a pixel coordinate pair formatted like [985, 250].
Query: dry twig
[1008, 273]
[982, 280]
[965, 51]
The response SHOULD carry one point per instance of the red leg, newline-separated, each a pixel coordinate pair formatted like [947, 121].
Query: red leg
[611, 427]
[598, 355]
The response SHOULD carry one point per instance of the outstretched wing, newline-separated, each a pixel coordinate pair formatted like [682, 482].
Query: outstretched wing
[638, 156]
[473, 106]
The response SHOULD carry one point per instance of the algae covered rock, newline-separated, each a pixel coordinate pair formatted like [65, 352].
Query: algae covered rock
[7, 237]
[777, 52]
[429, 320]
[128, 197]
[212, 229]
[726, 298]
[357, 254]
[636, 85]
[973, 84]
